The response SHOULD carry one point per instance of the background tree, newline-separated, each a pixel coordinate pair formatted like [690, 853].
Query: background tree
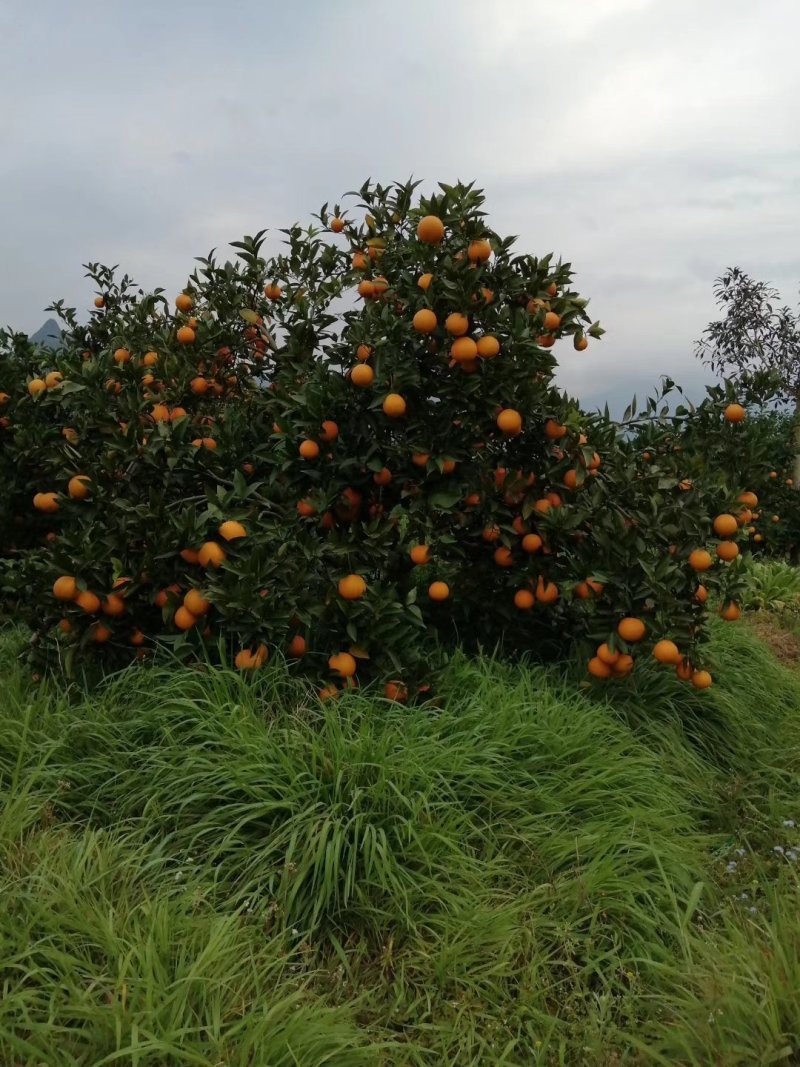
[756, 343]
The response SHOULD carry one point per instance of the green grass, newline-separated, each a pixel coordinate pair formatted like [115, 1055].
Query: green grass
[196, 869]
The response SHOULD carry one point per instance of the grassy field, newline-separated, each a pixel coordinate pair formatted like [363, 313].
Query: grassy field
[196, 869]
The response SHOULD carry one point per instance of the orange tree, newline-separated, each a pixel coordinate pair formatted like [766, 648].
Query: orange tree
[352, 454]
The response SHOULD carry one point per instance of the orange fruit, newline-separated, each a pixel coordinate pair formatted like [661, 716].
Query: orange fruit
[702, 679]
[438, 590]
[359, 261]
[149, 359]
[396, 691]
[631, 630]
[363, 352]
[211, 554]
[78, 487]
[571, 479]
[424, 321]
[177, 413]
[491, 533]
[551, 321]
[46, 502]
[730, 612]
[605, 654]
[196, 603]
[337, 224]
[684, 670]
[309, 449]
[503, 557]
[122, 355]
[776, 518]
[306, 508]
[394, 405]
[100, 633]
[330, 431]
[488, 346]
[272, 291]
[734, 413]
[424, 281]
[36, 387]
[580, 343]
[362, 375]
[230, 530]
[383, 477]
[773, 475]
[554, 431]
[464, 350]
[54, 379]
[246, 660]
[343, 664]
[510, 422]
[430, 229]
[666, 652]
[420, 554]
[700, 560]
[599, 669]
[328, 692]
[479, 251]
[725, 525]
[296, 647]
[90, 602]
[524, 599]
[727, 550]
[183, 302]
[113, 605]
[456, 324]
[701, 594]
[65, 588]
[750, 500]
[420, 459]
[99, 302]
[531, 543]
[366, 289]
[352, 587]
[623, 666]
[185, 335]
[198, 386]
[184, 619]
[160, 413]
[546, 592]
[65, 626]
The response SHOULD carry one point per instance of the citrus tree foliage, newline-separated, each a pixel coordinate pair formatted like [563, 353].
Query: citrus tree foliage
[353, 454]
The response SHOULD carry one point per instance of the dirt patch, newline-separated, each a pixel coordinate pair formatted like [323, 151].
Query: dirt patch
[785, 645]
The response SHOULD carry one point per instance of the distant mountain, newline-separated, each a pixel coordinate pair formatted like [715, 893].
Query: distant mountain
[48, 335]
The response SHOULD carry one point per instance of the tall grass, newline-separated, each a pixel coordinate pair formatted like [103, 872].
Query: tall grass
[202, 870]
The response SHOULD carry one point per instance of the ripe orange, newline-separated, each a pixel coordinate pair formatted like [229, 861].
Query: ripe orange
[725, 525]
[571, 479]
[100, 633]
[599, 669]
[343, 664]
[122, 355]
[730, 612]
[184, 619]
[773, 475]
[296, 647]
[185, 335]
[362, 375]
[160, 413]
[198, 386]
[383, 477]
[702, 679]
[546, 592]
[420, 554]
[65, 588]
[456, 324]
[531, 543]
[309, 449]
[727, 550]
[306, 508]
[99, 302]
[272, 291]
[328, 692]
[337, 224]
[551, 321]
[554, 431]
[438, 590]
[491, 533]
[524, 599]
[479, 251]
[701, 594]
[183, 302]
[430, 230]
[352, 587]
[394, 405]
[65, 626]
[177, 413]
[623, 666]
[420, 459]
[424, 281]
[750, 500]
[464, 350]
[113, 605]
[249, 661]
[684, 670]
[149, 359]
[78, 487]
[631, 630]
[47, 502]
[700, 560]
[510, 422]
[359, 261]
[211, 554]
[734, 413]
[90, 602]
[503, 557]
[36, 387]
[363, 352]
[230, 530]
[488, 346]
[666, 652]
[196, 603]
[580, 343]
[396, 691]
[605, 654]
[366, 289]
[542, 506]
[448, 466]
[330, 431]
[776, 518]
[424, 321]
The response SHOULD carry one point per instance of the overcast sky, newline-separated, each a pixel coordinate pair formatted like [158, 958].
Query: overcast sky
[650, 143]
